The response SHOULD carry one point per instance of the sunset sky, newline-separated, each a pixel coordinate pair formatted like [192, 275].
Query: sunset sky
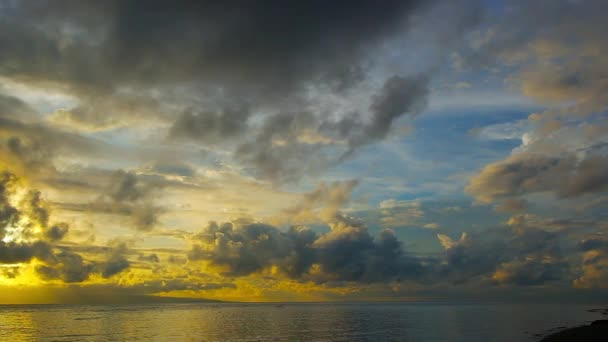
[303, 150]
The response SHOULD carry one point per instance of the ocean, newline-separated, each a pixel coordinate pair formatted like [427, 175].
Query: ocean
[289, 322]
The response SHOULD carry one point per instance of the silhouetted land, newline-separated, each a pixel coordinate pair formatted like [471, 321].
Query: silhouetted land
[596, 331]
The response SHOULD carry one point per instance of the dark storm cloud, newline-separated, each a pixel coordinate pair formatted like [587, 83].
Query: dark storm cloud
[57, 231]
[70, 266]
[350, 253]
[210, 127]
[269, 48]
[66, 266]
[116, 261]
[398, 96]
[116, 264]
[591, 244]
[275, 152]
[505, 256]
[249, 249]
[347, 253]
[125, 61]
[16, 252]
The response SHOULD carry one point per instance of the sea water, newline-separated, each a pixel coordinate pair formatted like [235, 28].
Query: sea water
[289, 322]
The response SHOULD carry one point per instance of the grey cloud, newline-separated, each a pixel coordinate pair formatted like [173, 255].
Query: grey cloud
[512, 205]
[31, 217]
[125, 186]
[57, 231]
[149, 258]
[347, 253]
[210, 127]
[15, 109]
[262, 50]
[116, 261]
[520, 257]
[594, 263]
[244, 250]
[529, 272]
[166, 285]
[122, 60]
[591, 244]
[114, 265]
[129, 194]
[33, 147]
[71, 267]
[556, 49]
[169, 167]
[15, 252]
[563, 176]
[323, 203]
[398, 96]
[284, 149]
[67, 266]
[350, 253]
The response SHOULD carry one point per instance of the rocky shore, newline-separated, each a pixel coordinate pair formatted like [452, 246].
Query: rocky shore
[596, 331]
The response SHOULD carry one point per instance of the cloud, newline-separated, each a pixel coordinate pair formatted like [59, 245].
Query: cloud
[115, 261]
[401, 213]
[149, 258]
[322, 204]
[562, 176]
[66, 266]
[210, 127]
[279, 151]
[216, 75]
[448, 243]
[567, 162]
[280, 48]
[398, 96]
[252, 248]
[24, 223]
[15, 109]
[26, 234]
[130, 195]
[594, 264]
[531, 271]
[504, 256]
[347, 253]
[300, 92]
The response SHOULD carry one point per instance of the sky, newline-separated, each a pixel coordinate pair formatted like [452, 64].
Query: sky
[303, 151]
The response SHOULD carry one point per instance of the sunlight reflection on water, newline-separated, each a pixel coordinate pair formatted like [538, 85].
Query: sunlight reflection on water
[288, 322]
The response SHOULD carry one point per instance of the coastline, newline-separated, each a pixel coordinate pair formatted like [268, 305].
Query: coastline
[595, 331]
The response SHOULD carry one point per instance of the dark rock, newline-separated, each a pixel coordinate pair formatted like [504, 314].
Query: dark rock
[596, 331]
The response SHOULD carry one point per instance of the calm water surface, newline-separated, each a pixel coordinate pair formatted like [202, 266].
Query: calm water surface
[288, 322]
